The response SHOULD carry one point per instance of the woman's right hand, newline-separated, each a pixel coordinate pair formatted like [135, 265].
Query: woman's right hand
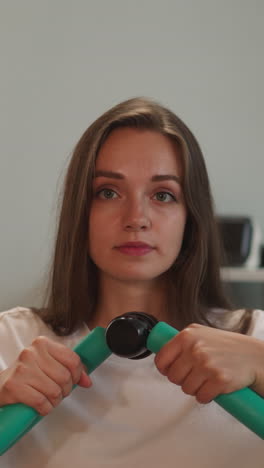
[43, 374]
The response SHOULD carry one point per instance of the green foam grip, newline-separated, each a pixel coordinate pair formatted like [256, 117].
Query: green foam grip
[245, 404]
[17, 419]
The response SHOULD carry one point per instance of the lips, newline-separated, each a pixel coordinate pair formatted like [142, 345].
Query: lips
[135, 248]
[135, 244]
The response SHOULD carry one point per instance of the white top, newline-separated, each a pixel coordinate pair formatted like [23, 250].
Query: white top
[132, 416]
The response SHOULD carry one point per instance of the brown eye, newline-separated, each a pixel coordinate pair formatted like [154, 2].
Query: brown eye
[165, 197]
[107, 194]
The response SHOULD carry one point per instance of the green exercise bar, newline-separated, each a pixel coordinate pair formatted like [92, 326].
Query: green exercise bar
[245, 404]
[17, 419]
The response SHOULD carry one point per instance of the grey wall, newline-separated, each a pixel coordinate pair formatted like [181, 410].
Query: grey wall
[65, 62]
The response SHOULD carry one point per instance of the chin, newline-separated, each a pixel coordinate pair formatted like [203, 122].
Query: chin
[136, 275]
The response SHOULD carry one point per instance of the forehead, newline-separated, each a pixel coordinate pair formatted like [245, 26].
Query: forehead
[127, 148]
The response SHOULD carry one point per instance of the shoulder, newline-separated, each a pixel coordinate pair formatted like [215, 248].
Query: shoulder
[256, 328]
[20, 319]
[18, 328]
[231, 319]
[15, 312]
[24, 324]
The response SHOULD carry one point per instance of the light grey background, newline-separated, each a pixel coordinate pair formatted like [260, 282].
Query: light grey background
[65, 62]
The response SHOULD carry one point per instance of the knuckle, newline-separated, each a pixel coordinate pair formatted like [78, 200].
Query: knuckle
[65, 377]
[173, 378]
[76, 360]
[74, 365]
[198, 349]
[55, 394]
[201, 357]
[39, 341]
[66, 391]
[208, 366]
[9, 386]
[222, 377]
[185, 335]
[40, 400]
[194, 325]
[21, 369]
[42, 405]
[74, 368]
[25, 354]
[186, 332]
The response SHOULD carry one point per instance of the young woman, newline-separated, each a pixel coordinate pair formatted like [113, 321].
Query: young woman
[136, 233]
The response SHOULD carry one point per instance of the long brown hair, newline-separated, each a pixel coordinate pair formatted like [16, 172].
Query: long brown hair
[194, 280]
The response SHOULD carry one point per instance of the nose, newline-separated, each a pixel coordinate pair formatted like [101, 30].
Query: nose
[137, 216]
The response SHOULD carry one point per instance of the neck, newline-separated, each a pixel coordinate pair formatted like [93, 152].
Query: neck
[117, 297]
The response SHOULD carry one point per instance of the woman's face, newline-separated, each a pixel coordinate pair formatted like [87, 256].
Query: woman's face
[138, 212]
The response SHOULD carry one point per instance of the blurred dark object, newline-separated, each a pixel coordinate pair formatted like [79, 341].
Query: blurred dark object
[241, 239]
[262, 256]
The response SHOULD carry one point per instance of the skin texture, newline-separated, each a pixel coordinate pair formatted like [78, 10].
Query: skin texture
[203, 361]
[136, 208]
[133, 207]
[140, 209]
[206, 362]
[42, 376]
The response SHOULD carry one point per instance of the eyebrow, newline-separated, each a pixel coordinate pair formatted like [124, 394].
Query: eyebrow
[155, 178]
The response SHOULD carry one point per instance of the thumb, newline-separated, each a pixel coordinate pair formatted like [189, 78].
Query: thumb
[85, 380]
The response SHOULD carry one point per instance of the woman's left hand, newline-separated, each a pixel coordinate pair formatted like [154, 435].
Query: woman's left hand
[207, 362]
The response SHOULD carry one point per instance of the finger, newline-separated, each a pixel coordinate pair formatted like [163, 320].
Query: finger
[85, 380]
[193, 382]
[55, 372]
[167, 355]
[39, 381]
[206, 393]
[210, 390]
[38, 354]
[53, 392]
[172, 350]
[37, 400]
[30, 397]
[63, 355]
[179, 369]
[63, 377]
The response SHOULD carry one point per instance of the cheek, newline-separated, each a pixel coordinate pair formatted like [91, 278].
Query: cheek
[99, 232]
[97, 219]
[175, 231]
[96, 243]
[94, 229]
